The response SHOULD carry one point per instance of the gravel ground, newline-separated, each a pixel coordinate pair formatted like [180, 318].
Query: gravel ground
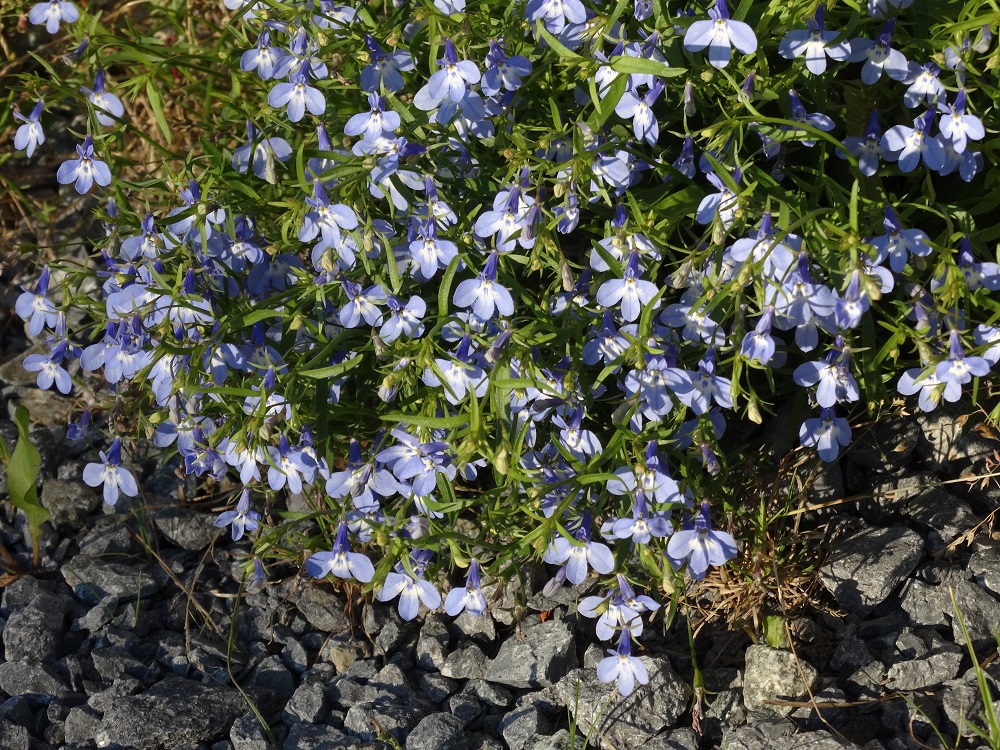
[126, 636]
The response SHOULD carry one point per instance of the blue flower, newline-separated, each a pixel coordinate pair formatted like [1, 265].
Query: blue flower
[384, 67]
[958, 126]
[879, 56]
[461, 375]
[416, 462]
[84, 171]
[483, 294]
[502, 72]
[619, 610]
[265, 59]
[827, 433]
[361, 482]
[110, 473]
[289, 466]
[30, 135]
[468, 598]
[49, 368]
[642, 526]
[626, 670]
[831, 376]
[298, 95]
[640, 109]
[575, 557]
[897, 243]
[51, 13]
[816, 119]
[720, 35]
[706, 386]
[340, 561]
[326, 218]
[758, 345]
[450, 81]
[242, 519]
[848, 309]
[700, 546]
[428, 251]
[815, 43]
[925, 86]
[722, 204]
[361, 304]
[910, 145]
[556, 13]
[958, 369]
[35, 308]
[411, 588]
[109, 107]
[405, 320]
[631, 292]
[581, 444]
[264, 153]
[868, 149]
[377, 121]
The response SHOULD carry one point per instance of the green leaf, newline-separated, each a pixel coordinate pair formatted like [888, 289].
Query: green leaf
[22, 474]
[240, 322]
[774, 631]
[333, 370]
[156, 102]
[645, 66]
[564, 52]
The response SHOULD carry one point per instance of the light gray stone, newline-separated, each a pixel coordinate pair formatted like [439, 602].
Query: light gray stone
[545, 655]
[94, 578]
[82, 724]
[392, 716]
[980, 612]
[29, 678]
[467, 662]
[944, 515]
[314, 737]
[753, 738]
[865, 568]
[69, 504]
[924, 603]
[521, 726]
[308, 703]
[985, 564]
[324, 610]
[35, 633]
[187, 528]
[247, 734]
[624, 723]
[173, 712]
[775, 674]
[438, 732]
[432, 645]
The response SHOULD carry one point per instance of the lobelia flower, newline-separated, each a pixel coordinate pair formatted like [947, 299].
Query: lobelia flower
[49, 368]
[722, 204]
[816, 43]
[684, 163]
[361, 304]
[450, 81]
[110, 473]
[109, 107]
[641, 527]
[631, 292]
[924, 85]
[298, 95]
[264, 58]
[976, 274]
[958, 126]
[706, 386]
[242, 519]
[897, 243]
[958, 369]
[617, 610]
[289, 466]
[30, 135]
[429, 253]
[374, 123]
[340, 561]
[581, 444]
[640, 109]
[923, 381]
[419, 463]
[879, 56]
[868, 149]
[34, 308]
[264, 152]
[326, 218]
[831, 376]
[405, 320]
[910, 145]
[827, 433]
[461, 375]
[575, 557]
[411, 588]
[817, 119]
[758, 345]
[556, 13]
[384, 67]
[699, 546]
[51, 13]
[84, 171]
[720, 35]
[502, 72]
[470, 597]
[361, 482]
[626, 670]
[483, 294]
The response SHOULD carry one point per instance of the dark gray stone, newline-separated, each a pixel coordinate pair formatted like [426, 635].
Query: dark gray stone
[30, 678]
[14, 737]
[494, 697]
[69, 504]
[308, 703]
[482, 629]
[82, 724]
[271, 674]
[315, 737]
[755, 738]
[172, 712]
[188, 529]
[467, 662]
[438, 732]
[985, 564]
[114, 662]
[625, 722]
[436, 686]
[545, 655]
[980, 612]
[865, 568]
[247, 734]
[323, 609]
[944, 515]
[678, 739]
[393, 717]
[465, 707]
[94, 578]
[924, 603]
[775, 674]
[925, 668]
[850, 654]
[521, 726]
[36, 632]
[432, 645]
[561, 740]
[887, 444]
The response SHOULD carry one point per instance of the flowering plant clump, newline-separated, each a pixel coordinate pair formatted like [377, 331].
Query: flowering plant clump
[487, 283]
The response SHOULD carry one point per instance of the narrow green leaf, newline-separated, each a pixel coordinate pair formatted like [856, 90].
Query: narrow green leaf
[156, 102]
[645, 66]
